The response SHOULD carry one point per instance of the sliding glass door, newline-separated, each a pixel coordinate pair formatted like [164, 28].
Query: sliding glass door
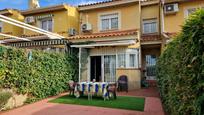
[110, 68]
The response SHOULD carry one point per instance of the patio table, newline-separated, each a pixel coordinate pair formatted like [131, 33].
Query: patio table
[94, 88]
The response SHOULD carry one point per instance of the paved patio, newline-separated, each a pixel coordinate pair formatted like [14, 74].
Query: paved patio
[152, 107]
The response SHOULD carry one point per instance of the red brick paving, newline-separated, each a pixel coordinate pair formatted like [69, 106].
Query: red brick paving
[152, 107]
[144, 92]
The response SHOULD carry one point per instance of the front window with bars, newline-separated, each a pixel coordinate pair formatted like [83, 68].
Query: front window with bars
[151, 65]
[150, 26]
[109, 22]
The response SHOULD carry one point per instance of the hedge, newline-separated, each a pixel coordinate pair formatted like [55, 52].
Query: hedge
[180, 69]
[45, 74]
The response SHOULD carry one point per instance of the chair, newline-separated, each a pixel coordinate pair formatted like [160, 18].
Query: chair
[112, 89]
[71, 85]
[123, 83]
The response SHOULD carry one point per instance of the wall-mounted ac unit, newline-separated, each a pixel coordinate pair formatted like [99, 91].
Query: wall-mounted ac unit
[30, 20]
[171, 8]
[72, 31]
[86, 27]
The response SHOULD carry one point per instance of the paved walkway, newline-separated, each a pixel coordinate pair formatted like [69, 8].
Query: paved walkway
[152, 107]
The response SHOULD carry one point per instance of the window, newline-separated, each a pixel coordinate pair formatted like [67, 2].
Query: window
[191, 10]
[110, 68]
[1, 26]
[121, 60]
[128, 59]
[132, 60]
[150, 26]
[109, 22]
[46, 24]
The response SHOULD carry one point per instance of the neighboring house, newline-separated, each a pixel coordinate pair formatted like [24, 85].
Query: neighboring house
[176, 11]
[60, 19]
[8, 28]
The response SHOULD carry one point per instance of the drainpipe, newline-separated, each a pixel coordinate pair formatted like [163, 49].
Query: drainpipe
[140, 33]
[162, 21]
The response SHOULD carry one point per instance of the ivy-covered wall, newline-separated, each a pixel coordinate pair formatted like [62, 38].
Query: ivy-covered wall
[39, 75]
[180, 70]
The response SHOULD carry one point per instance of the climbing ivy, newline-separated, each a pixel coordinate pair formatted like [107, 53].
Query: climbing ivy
[180, 69]
[46, 74]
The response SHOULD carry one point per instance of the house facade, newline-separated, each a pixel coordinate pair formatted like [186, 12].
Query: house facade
[109, 44]
[115, 38]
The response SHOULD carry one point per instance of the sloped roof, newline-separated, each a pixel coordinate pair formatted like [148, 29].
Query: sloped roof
[105, 34]
[44, 9]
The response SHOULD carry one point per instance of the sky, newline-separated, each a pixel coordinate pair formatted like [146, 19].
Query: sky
[23, 4]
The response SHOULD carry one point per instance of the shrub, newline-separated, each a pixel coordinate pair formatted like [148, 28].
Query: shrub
[180, 69]
[4, 97]
[45, 75]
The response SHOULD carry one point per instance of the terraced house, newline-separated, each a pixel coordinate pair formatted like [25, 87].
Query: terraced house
[115, 38]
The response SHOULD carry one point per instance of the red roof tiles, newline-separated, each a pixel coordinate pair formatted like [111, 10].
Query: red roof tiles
[96, 3]
[106, 34]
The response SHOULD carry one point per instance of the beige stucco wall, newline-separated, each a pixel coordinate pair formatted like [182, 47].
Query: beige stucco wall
[133, 77]
[174, 22]
[129, 16]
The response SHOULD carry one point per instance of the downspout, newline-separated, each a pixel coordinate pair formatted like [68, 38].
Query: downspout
[139, 37]
[162, 22]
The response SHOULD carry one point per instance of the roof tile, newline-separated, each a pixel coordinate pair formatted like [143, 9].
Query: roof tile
[105, 34]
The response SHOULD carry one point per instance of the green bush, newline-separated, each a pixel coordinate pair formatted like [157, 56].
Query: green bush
[180, 69]
[4, 97]
[45, 75]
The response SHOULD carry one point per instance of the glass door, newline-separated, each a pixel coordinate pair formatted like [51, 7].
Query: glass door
[110, 68]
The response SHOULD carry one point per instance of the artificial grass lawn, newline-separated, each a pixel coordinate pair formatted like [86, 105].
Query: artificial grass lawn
[122, 102]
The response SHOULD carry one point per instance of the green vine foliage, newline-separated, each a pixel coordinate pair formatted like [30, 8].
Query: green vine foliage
[47, 74]
[180, 69]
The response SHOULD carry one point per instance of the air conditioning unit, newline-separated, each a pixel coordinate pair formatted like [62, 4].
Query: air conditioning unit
[72, 31]
[30, 20]
[86, 27]
[171, 8]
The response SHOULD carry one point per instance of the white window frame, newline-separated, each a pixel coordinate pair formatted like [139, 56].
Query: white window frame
[186, 9]
[146, 21]
[117, 60]
[47, 19]
[127, 54]
[109, 17]
[1, 26]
